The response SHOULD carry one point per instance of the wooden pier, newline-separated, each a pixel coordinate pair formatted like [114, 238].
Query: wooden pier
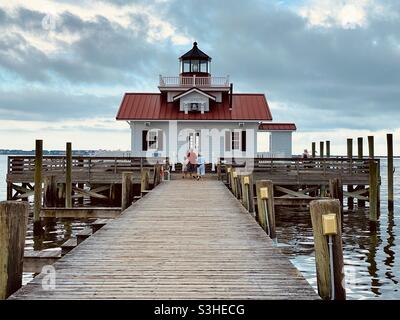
[185, 239]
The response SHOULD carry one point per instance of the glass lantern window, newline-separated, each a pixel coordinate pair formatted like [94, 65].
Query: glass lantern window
[195, 66]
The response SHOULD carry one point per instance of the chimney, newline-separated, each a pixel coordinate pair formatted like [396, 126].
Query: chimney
[231, 97]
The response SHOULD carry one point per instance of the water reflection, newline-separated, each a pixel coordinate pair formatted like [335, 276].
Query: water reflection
[371, 270]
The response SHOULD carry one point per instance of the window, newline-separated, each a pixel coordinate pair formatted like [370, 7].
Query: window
[194, 140]
[195, 66]
[203, 66]
[186, 66]
[235, 140]
[152, 140]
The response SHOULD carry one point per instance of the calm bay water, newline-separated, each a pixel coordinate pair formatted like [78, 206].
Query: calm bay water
[372, 258]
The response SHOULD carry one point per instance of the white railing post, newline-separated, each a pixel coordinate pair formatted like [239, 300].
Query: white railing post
[194, 80]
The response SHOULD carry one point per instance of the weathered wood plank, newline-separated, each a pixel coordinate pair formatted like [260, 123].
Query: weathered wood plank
[184, 240]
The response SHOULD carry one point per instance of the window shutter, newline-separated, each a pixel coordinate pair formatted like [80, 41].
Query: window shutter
[228, 140]
[160, 136]
[244, 140]
[144, 140]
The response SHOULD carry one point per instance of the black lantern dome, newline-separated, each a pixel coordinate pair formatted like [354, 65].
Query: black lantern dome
[195, 62]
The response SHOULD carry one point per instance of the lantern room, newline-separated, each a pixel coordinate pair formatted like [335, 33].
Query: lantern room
[195, 62]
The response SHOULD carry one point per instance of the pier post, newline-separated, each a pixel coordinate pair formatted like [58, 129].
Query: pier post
[373, 190]
[127, 190]
[68, 176]
[371, 147]
[350, 188]
[266, 207]
[144, 180]
[248, 192]
[360, 154]
[390, 171]
[13, 221]
[321, 149]
[328, 149]
[37, 225]
[336, 190]
[323, 257]
[50, 192]
[313, 149]
[9, 190]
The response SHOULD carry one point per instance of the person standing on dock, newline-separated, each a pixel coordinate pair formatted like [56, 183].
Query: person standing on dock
[192, 165]
[201, 167]
[185, 165]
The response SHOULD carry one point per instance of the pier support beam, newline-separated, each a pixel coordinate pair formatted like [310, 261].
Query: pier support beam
[360, 156]
[127, 190]
[321, 149]
[350, 188]
[318, 208]
[313, 149]
[68, 176]
[373, 191]
[13, 221]
[50, 192]
[328, 149]
[37, 225]
[390, 171]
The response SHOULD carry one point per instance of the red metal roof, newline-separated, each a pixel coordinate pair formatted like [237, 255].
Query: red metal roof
[154, 106]
[277, 127]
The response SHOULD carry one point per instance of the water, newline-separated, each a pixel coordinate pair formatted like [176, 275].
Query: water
[371, 268]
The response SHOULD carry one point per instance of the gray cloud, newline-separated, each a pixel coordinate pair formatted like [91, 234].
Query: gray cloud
[54, 105]
[327, 77]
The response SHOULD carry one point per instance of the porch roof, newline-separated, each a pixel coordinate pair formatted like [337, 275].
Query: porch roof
[277, 127]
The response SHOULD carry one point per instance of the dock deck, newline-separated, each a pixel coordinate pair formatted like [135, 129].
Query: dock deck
[184, 240]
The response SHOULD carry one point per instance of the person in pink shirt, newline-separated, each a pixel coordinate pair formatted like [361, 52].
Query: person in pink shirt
[192, 165]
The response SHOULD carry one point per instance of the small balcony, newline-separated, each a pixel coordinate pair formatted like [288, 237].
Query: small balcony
[194, 81]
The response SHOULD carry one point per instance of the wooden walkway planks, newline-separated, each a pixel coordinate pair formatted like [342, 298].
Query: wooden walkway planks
[185, 240]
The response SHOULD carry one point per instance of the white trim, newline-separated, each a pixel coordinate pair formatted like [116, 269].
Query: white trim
[192, 90]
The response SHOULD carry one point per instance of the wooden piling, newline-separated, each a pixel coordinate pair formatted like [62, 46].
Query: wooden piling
[9, 190]
[266, 207]
[37, 226]
[336, 190]
[13, 221]
[371, 147]
[373, 190]
[360, 156]
[68, 176]
[360, 151]
[313, 149]
[321, 149]
[247, 192]
[144, 181]
[50, 192]
[390, 171]
[350, 188]
[328, 149]
[127, 190]
[322, 258]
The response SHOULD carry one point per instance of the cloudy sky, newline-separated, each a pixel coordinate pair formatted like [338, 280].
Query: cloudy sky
[331, 66]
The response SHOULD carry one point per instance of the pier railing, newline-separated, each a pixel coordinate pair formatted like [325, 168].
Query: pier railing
[298, 170]
[83, 167]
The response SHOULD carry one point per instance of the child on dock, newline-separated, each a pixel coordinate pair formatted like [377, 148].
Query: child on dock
[201, 167]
